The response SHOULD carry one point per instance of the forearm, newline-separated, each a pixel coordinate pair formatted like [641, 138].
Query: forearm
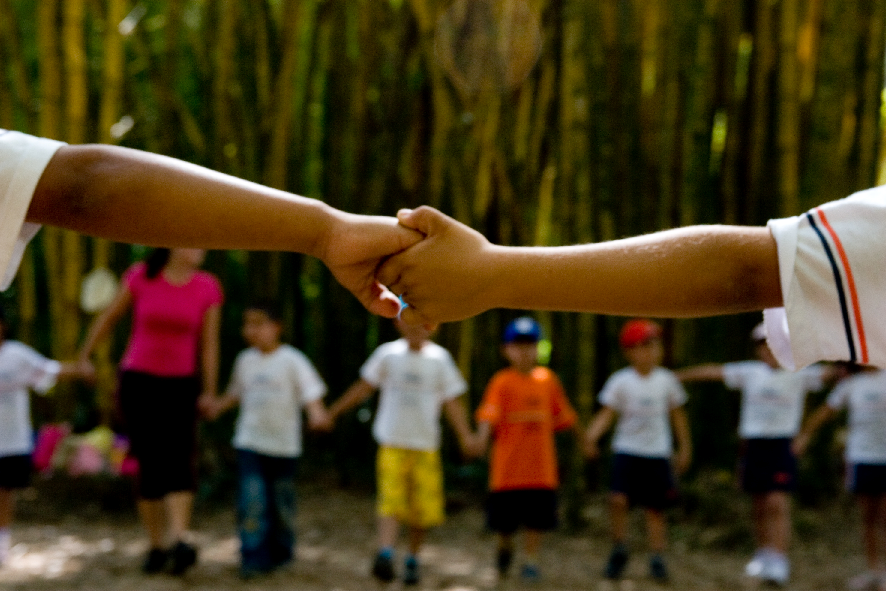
[680, 425]
[357, 393]
[108, 191]
[599, 425]
[457, 416]
[687, 272]
[700, 373]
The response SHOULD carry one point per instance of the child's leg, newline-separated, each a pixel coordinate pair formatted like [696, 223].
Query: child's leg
[870, 519]
[252, 513]
[179, 505]
[656, 530]
[7, 507]
[618, 516]
[776, 526]
[153, 517]
[416, 538]
[531, 544]
[281, 538]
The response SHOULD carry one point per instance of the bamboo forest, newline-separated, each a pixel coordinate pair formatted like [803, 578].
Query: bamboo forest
[534, 122]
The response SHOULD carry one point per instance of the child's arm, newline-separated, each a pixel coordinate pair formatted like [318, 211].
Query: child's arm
[318, 417]
[688, 272]
[481, 440]
[683, 451]
[133, 196]
[457, 415]
[822, 415]
[219, 405]
[599, 426]
[356, 394]
[709, 372]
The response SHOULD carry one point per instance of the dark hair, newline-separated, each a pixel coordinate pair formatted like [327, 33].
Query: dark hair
[156, 261]
[268, 308]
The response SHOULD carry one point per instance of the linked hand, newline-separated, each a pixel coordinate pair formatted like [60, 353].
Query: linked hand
[355, 248]
[446, 276]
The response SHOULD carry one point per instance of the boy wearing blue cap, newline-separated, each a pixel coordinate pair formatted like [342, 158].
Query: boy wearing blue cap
[522, 408]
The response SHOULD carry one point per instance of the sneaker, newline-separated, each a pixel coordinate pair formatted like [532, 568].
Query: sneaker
[410, 571]
[777, 571]
[658, 570]
[383, 568]
[184, 556]
[615, 566]
[503, 561]
[755, 568]
[530, 573]
[155, 561]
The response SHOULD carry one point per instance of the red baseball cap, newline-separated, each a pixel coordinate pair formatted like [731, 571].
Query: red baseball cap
[637, 332]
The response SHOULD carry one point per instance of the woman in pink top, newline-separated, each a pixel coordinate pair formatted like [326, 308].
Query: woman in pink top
[170, 364]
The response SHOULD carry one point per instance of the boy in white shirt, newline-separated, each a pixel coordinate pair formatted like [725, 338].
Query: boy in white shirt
[271, 383]
[864, 396]
[417, 379]
[21, 369]
[772, 404]
[647, 400]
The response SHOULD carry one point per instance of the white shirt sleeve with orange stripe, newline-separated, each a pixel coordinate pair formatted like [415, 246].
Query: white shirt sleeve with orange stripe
[832, 263]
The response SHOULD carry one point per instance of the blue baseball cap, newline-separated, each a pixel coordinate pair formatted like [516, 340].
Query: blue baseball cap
[523, 329]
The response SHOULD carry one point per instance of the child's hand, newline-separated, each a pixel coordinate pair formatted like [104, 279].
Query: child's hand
[209, 405]
[355, 247]
[446, 276]
[320, 421]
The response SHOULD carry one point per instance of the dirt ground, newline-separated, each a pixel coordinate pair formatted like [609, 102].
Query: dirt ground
[93, 548]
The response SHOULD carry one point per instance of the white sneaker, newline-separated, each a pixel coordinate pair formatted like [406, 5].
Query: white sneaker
[757, 565]
[777, 569]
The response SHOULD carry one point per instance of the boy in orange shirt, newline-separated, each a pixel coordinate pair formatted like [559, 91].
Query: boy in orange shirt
[522, 407]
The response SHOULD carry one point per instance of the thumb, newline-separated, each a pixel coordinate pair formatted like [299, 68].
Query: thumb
[425, 219]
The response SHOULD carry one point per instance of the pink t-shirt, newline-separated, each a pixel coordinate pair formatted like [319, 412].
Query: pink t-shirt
[167, 321]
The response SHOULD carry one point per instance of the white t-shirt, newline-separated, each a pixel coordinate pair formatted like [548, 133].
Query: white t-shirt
[21, 369]
[772, 400]
[643, 404]
[272, 388]
[864, 394]
[23, 159]
[413, 386]
[831, 265]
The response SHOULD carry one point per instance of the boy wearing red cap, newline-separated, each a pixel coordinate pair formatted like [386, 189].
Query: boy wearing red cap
[524, 404]
[647, 400]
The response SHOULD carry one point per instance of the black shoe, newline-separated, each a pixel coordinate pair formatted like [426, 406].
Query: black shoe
[410, 571]
[155, 561]
[658, 570]
[615, 566]
[383, 568]
[184, 556]
[503, 561]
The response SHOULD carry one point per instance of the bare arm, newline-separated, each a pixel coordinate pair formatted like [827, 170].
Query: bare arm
[822, 415]
[356, 394]
[688, 272]
[209, 353]
[134, 196]
[709, 372]
[105, 322]
[600, 424]
[318, 416]
[457, 415]
[680, 426]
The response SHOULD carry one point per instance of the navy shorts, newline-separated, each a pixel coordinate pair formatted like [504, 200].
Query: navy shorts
[646, 482]
[866, 479]
[15, 471]
[535, 509]
[767, 465]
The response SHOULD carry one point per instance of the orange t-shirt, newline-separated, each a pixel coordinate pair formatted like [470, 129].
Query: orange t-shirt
[524, 411]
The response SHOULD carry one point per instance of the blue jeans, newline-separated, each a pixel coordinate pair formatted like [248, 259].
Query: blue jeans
[265, 509]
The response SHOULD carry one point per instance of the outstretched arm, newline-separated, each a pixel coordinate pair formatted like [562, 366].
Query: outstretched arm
[457, 415]
[600, 424]
[688, 272]
[708, 372]
[822, 415]
[134, 196]
[356, 394]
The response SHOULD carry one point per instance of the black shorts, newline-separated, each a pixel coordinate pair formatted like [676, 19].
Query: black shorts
[15, 471]
[767, 465]
[535, 509]
[160, 417]
[866, 479]
[646, 482]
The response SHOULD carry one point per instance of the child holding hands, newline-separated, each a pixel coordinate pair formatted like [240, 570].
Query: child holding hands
[271, 383]
[417, 379]
[647, 400]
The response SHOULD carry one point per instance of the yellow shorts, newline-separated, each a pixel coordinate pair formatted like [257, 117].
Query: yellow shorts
[410, 486]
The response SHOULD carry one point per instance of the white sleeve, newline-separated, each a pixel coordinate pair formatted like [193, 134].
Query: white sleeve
[39, 372]
[23, 158]
[831, 263]
[734, 375]
[371, 371]
[311, 386]
[677, 396]
[609, 394]
[839, 396]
